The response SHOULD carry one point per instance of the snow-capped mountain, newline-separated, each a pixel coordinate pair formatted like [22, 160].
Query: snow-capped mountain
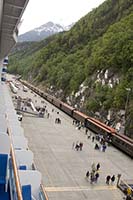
[43, 31]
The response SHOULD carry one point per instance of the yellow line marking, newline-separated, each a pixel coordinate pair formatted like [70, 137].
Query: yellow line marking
[80, 188]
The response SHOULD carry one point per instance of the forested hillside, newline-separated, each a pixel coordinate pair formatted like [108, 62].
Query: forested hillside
[90, 66]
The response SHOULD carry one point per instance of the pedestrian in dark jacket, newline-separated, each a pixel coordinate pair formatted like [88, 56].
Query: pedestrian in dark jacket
[87, 174]
[80, 146]
[92, 177]
[108, 179]
[98, 166]
[96, 177]
[113, 178]
[86, 131]
[93, 138]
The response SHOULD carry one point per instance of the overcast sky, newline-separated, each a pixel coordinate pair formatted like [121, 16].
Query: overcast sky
[64, 12]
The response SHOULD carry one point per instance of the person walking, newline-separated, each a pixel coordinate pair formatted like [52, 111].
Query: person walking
[98, 166]
[88, 136]
[104, 147]
[96, 147]
[108, 179]
[86, 131]
[92, 177]
[81, 146]
[93, 138]
[93, 167]
[96, 177]
[87, 175]
[112, 179]
[77, 146]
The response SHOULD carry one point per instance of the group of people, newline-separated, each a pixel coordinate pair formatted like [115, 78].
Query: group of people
[57, 120]
[102, 143]
[78, 124]
[78, 145]
[100, 147]
[110, 178]
[94, 174]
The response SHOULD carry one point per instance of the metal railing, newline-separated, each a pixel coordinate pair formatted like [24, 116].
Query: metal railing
[14, 173]
[126, 186]
[43, 194]
[16, 192]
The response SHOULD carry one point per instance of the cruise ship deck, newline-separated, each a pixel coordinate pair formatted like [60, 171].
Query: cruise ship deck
[63, 168]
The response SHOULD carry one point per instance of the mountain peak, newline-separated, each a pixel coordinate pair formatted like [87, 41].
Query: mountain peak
[43, 31]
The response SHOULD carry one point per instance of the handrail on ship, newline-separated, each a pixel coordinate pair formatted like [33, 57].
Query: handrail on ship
[123, 185]
[44, 192]
[17, 181]
[41, 186]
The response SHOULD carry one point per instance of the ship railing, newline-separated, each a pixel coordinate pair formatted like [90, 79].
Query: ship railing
[126, 185]
[15, 192]
[42, 194]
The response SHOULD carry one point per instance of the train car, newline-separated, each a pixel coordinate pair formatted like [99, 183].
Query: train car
[67, 109]
[40, 92]
[53, 100]
[80, 116]
[125, 138]
[45, 95]
[57, 103]
[110, 129]
[50, 98]
[123, 143]
[31, 87]
[99, 127]
[35, 90]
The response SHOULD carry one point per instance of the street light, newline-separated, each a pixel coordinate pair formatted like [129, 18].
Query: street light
[127, 99]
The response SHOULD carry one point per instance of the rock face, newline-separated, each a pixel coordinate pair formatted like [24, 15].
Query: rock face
[117, 118]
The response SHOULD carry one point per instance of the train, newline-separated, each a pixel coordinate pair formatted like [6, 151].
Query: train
[120, 141]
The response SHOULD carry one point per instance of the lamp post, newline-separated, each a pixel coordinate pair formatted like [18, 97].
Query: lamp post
[127, 99]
